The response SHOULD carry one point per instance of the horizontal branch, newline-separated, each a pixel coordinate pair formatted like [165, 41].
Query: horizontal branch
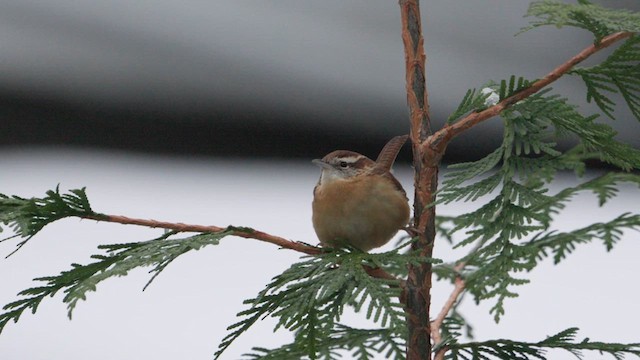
[440, 139]
[240, 232]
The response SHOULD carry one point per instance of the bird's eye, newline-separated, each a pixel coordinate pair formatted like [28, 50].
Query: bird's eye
[343, 164]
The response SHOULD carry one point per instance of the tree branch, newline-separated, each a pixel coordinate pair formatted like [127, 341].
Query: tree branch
[458, 289]
[435, 146]
[247, 233]
[440, 139]
[417, 294]
[240, 232]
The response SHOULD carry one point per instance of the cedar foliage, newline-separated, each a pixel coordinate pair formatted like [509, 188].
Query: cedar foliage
[508, 234]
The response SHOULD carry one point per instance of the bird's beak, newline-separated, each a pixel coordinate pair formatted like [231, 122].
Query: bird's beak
[321, 163]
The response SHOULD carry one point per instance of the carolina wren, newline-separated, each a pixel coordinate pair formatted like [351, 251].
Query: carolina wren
[357, 201]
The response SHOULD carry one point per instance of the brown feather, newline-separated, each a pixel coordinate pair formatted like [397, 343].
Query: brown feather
[389, 152]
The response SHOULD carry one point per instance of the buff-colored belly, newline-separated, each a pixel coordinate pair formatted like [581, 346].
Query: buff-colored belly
[363, 213]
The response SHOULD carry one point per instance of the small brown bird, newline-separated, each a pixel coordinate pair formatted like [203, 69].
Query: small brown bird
[357, 201]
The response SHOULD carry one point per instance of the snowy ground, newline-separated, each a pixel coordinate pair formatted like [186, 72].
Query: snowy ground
[184, 314]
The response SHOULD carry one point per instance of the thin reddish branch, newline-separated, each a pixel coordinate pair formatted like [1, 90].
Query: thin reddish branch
[240, 232]
[437, 323]
[458, 289]
[439, 141]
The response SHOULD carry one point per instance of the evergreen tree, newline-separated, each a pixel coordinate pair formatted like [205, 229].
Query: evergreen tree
[507, 235]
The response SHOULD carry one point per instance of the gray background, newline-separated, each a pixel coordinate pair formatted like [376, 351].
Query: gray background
[283, 78]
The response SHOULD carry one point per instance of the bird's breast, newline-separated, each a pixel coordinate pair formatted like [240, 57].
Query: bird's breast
[365, 212]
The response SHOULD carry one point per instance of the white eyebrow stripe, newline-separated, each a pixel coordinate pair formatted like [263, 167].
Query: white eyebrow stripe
[350, 159]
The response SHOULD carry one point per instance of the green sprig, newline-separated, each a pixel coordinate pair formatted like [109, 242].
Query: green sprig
[118, 260]
[26, 217]
[564, 340]
[598, 20]
[309, 298]
[619, 73]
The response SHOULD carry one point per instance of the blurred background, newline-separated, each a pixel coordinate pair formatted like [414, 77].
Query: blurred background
[285, 78]
[208, 112]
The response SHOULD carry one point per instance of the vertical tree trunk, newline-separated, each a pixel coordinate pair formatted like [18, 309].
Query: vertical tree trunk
[417, 294]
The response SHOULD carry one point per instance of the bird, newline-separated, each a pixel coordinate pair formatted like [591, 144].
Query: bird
[357, 202]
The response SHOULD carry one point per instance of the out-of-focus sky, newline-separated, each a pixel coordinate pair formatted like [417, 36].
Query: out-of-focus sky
[305, 76]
